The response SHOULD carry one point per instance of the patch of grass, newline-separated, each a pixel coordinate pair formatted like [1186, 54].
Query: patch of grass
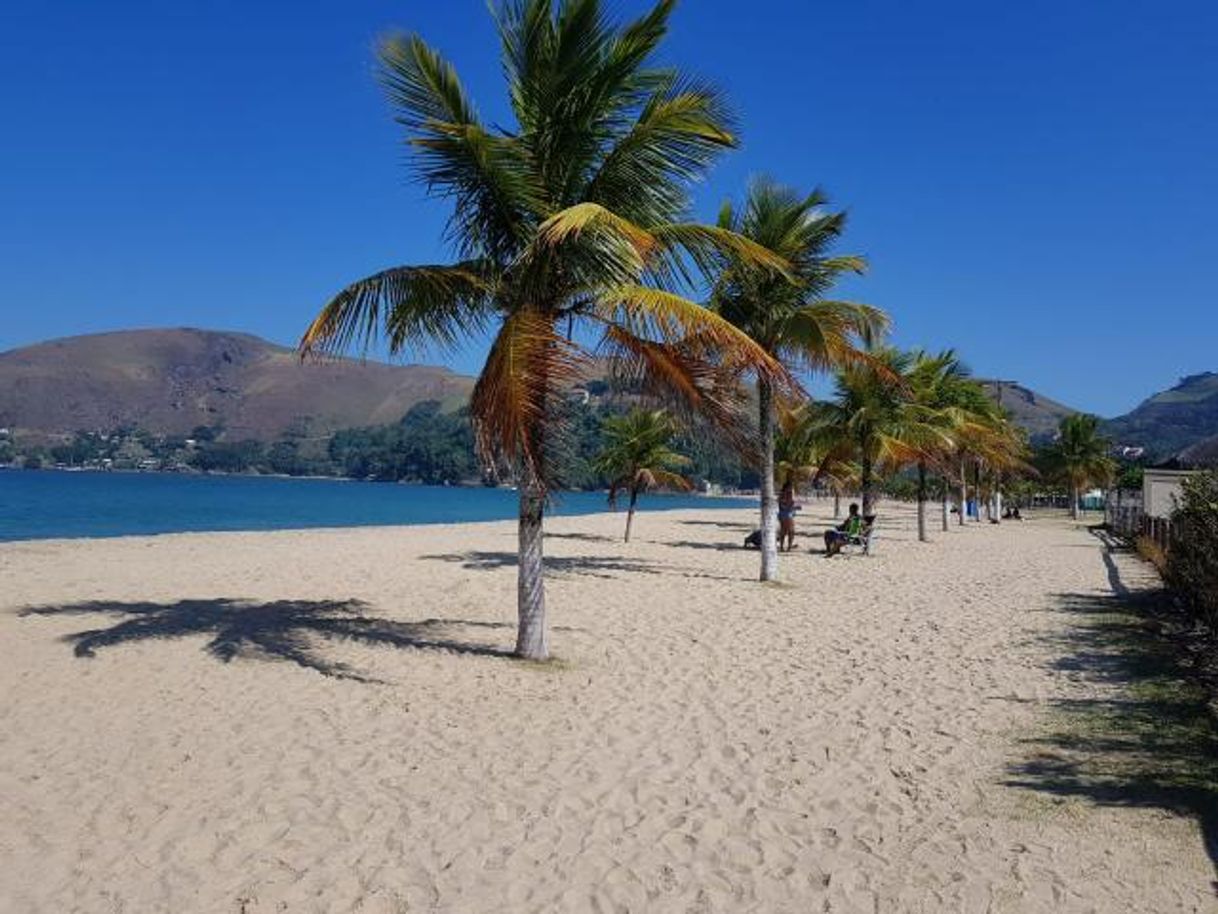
[1152, 552]
[1152, 740]
[553, 665]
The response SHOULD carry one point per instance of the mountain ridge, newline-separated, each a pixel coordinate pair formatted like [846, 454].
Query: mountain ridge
[1171, 420]
[173, 380]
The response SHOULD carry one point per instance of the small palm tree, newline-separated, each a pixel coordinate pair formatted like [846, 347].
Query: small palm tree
[638, 456]
[788, 316]
[981, 430]
[1080, 456]
[872, 420]
[941, 388]
[569, 225]
[934, 383]
[797, 451]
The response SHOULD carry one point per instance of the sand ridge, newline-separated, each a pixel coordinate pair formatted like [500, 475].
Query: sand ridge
[320, 721]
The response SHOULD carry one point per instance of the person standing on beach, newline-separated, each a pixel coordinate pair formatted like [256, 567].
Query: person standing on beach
[786, 516]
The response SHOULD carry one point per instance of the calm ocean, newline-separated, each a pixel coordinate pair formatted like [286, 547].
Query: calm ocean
[42, 504]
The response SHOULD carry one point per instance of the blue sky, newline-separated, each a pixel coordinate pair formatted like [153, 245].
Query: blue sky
[1033, 182]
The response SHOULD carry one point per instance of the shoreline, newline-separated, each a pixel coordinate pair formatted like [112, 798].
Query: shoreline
[77, 506]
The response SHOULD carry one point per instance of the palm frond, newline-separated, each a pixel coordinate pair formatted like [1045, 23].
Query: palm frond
[681, 130]
[511, 404]
[680, 377]
[411, 306]
[456, 156]
[667, 317]
[713, 247]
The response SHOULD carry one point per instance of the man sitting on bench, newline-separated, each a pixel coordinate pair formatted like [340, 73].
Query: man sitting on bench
[850, 530]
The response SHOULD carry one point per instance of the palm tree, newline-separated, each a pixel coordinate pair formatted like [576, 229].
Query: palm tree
[1080, 456]
[569, 225]
[807, 453]
[935, 385]
[788, 315]
[973, 425]
[980, 430]
[797, 451]
[875, 419]
[638, 456]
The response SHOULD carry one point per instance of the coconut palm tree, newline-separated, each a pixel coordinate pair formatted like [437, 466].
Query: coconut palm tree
[1080, 456]
[934, 389]
[638, 456]
[788, 315]
[875, 420]
[569, 227]
[797, 451]
[941, 387]
[981, 429]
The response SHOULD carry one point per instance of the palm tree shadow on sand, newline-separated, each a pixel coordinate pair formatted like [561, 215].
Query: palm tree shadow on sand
[294, 631]
[593, 566]
[1155, 743]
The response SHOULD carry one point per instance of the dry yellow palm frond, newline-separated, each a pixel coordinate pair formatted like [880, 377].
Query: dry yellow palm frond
[656, 478]
[592, 217]
[528, 361]
[670, 318]
[670, 372]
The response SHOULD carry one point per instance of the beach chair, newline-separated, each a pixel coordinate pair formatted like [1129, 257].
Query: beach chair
[862, 542]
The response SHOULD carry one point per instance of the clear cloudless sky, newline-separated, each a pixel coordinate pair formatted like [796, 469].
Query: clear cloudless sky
[1033, 182]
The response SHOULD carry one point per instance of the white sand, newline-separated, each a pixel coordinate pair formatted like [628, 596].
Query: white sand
[846, 742]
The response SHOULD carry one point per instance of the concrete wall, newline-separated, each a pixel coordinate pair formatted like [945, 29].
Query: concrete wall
[1160, 491]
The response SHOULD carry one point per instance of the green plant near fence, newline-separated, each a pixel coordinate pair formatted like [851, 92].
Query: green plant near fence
[1192, 561]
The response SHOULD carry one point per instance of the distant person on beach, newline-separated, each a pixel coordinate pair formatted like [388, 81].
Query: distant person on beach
[786, 516]
[838, 536]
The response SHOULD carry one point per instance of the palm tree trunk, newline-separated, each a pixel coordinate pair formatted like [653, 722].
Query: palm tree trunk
[532, 639]
[769, 502]
[1075, 496]
[977, 489]
[634, 496]
[963, 492]
[922, 537]
[837, 505]
[945, 501]
[868, 485]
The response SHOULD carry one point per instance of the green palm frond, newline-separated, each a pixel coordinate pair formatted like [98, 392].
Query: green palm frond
[409, 306]
[788, 313]
[1080, 455]
[638, 452]
[483, 173]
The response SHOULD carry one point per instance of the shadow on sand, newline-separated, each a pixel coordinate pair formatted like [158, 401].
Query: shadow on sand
[696, 544]
[1155, 743]
[287, 630]
[594, 566]
[584, 537]
[721, 524]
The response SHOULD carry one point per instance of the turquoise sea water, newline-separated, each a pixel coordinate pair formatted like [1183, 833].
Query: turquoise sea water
[42, 504]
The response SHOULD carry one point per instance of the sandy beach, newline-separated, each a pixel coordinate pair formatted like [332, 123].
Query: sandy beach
[322, 721]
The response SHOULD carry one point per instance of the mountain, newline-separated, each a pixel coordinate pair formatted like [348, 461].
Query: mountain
[1202, 454]
[1033, 412]
[172, 381]
[1171, 420]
